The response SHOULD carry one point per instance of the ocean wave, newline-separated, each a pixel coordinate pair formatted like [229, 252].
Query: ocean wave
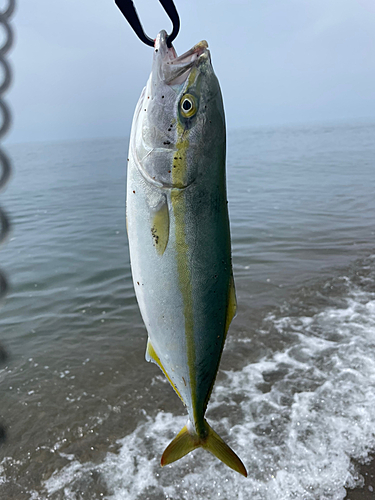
[297, 418]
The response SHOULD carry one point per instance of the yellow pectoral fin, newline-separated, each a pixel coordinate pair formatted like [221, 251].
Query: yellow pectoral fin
[152, 356]
[160, 227]
[232, 304]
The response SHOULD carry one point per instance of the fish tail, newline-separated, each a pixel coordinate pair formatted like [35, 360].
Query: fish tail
[187, 440]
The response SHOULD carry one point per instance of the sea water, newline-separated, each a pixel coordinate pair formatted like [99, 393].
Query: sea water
[88, 418]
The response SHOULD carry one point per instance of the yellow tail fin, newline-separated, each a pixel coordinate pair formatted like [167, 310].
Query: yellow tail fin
[187, 441]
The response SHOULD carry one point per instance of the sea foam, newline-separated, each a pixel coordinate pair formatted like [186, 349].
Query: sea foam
[296, 418]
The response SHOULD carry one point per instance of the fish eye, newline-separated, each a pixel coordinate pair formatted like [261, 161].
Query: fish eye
[188, 106]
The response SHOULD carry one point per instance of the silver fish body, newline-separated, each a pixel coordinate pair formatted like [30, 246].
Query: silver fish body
[178, 231]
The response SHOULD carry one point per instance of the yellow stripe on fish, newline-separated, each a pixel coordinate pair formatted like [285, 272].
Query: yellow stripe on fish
[179, 211]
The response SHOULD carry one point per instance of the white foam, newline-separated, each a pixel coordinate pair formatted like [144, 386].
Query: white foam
[297, 440]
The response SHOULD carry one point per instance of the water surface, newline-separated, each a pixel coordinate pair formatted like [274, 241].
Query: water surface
[88, 418]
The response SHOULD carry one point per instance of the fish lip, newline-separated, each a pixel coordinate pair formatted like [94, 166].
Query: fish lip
[173, 69]
[192, 54]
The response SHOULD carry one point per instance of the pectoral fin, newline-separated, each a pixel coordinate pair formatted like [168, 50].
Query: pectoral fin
[160, 226]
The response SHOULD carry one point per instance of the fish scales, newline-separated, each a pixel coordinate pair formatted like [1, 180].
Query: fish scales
[179, 237]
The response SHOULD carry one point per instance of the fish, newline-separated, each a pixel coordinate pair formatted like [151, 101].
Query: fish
[179, 235]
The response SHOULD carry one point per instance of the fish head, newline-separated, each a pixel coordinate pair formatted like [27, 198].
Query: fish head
[180, 116]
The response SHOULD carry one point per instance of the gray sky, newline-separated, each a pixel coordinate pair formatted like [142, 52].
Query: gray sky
[79, 68]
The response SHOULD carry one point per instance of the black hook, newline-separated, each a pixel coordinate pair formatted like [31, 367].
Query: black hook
[128, 10]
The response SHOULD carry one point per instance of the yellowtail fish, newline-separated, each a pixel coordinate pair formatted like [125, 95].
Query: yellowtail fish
[178, 230]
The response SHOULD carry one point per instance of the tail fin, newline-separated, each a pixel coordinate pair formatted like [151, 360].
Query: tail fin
[187, 441]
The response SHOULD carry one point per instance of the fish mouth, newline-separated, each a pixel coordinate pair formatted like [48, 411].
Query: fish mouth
[191, 55]
[173, 69]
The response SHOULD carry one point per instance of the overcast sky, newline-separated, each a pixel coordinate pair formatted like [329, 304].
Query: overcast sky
[79, 68]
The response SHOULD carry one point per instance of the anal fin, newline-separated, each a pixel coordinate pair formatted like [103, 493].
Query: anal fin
[152, 356]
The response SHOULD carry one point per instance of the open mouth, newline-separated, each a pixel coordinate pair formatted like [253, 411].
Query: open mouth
[174, 70]
[185, 62]
[192, 54]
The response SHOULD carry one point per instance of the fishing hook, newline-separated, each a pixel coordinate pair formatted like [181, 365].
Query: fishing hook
[128, 10]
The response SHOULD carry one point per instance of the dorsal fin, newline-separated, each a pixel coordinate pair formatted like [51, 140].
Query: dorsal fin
[231, 305]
